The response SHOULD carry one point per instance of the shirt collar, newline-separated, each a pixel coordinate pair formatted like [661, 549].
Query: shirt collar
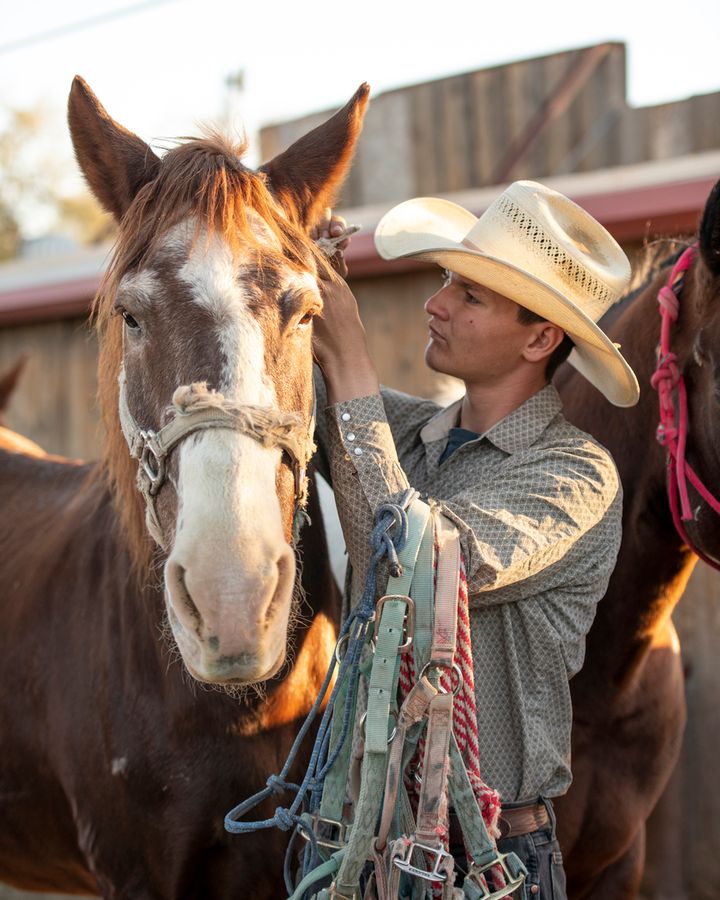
[517, 431]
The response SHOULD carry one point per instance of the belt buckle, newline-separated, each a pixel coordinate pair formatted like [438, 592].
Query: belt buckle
[408, 622]
[404, 862]
[513, 870]
[332, 842]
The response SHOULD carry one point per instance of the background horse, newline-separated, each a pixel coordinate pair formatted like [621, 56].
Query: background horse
[117, 768]
[11, 440]
[629, 705]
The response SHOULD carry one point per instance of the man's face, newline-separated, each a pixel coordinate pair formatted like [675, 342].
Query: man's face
[474, 332]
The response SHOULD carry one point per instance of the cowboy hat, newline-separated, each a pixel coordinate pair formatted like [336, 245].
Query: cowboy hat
[538, 248]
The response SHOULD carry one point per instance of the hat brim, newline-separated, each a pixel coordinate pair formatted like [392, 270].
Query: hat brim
[432, 229]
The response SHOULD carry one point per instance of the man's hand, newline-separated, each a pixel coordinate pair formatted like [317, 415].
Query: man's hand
[340, 344]
[331, 226]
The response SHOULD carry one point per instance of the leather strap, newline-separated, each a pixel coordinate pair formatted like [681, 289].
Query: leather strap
[520, 820]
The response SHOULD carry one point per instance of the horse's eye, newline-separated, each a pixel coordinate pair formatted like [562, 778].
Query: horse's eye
[306, 319]
[130, 321]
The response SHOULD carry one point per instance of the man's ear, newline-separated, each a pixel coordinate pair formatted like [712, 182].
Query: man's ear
[543, 339]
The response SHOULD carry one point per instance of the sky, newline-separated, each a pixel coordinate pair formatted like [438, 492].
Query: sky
[161, 67]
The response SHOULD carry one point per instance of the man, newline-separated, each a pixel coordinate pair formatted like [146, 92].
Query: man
[536, 501]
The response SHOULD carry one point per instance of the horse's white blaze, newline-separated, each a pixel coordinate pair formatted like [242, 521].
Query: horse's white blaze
[230, 574]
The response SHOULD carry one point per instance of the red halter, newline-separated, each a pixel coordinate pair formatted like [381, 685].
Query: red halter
[672, 434]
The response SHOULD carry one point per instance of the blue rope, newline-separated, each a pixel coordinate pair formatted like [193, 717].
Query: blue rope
[387, 539]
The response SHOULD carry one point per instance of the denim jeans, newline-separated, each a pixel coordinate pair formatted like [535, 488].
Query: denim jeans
[541, 854]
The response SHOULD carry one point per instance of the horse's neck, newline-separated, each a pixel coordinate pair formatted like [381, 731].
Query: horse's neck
[653, 566]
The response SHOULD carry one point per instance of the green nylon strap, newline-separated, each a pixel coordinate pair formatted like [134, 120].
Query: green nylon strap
[381, 695]
[334, 789]
[383, 676]
[418, 520]
[423, 592]
[462, 797]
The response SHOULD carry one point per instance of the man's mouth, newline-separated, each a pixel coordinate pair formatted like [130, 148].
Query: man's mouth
[434, 333]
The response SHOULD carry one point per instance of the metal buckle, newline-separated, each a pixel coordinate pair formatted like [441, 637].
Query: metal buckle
[408, 621]
[332, 842]
[454, 668]
[361, 629]
[404, 862]
[154, 468]
[514, 872]
[393, 715]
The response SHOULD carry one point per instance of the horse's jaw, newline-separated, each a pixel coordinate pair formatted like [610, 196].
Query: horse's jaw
[230, 574]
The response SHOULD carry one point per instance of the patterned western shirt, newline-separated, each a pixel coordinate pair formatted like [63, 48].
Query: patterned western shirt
[538, 506]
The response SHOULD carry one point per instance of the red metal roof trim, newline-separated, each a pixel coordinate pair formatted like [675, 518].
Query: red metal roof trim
[629, 213]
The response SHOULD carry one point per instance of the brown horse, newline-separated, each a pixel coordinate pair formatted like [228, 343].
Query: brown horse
[628, 699]
[117, 767]
[11, 440]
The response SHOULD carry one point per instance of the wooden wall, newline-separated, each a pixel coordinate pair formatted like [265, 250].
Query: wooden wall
[562, 113]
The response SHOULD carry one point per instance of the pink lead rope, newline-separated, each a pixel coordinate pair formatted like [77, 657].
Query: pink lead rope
[671, 432]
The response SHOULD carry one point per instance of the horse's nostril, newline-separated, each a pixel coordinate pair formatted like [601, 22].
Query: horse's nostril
[181, 592]
[285, 575]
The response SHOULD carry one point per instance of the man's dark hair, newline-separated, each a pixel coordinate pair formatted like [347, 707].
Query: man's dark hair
[559, 354]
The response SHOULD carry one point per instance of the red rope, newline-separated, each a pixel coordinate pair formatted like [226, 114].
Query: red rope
[673, 430]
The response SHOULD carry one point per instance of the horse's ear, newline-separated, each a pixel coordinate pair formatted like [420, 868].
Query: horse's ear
[308, 175]
[115, 162]
[8, 382]
[710, 231]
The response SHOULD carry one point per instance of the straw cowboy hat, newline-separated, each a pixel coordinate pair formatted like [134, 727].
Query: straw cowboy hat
[538, 248]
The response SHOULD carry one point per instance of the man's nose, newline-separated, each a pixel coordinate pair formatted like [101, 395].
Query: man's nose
[436, 305]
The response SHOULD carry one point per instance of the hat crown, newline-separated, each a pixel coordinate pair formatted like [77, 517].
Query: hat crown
[541, 231]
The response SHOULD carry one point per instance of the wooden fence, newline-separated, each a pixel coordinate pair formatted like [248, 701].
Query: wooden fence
[552, 115]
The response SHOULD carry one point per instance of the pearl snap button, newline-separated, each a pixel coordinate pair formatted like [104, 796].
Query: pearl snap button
[345, 417]
[351, 436]
[534, 888]
[358, 451]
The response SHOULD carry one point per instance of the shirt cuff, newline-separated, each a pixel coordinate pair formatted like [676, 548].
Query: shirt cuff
[366, 444]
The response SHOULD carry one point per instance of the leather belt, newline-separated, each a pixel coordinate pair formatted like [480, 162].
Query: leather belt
[513, 822]
[518, 820]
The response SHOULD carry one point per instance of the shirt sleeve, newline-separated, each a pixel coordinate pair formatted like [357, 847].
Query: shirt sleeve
[545, 508]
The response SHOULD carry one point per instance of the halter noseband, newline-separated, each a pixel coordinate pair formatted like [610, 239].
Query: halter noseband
[195, 408]
[672, 431]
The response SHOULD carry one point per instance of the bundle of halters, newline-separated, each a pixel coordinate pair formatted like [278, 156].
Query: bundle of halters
[373, 805]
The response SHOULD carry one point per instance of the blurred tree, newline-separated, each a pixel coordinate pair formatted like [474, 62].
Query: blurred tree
[32, 198]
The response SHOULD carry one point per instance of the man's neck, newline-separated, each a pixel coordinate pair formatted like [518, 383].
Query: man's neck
[485, 405]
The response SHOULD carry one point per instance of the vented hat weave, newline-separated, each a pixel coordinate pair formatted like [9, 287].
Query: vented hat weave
[538, 248]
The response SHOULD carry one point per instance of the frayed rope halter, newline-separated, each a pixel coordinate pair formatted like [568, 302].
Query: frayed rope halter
[672, 431]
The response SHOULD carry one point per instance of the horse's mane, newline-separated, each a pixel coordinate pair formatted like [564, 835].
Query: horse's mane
[655, 257]
[200, 180]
